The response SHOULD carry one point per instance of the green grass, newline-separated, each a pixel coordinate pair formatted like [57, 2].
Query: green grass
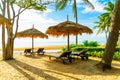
[97, 51]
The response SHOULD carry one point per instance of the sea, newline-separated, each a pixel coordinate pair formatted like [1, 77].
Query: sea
[52, 41]
[27, 42]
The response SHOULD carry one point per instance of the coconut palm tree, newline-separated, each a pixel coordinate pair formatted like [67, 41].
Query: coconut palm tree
[61, 4]
[113, 37]
[105, 19]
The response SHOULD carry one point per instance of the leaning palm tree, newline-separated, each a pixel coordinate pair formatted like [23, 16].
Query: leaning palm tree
[112, 38]
[61, 4]
[105, 19]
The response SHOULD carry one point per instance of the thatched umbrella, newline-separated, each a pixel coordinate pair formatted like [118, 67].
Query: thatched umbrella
[32, 33]
[4, 21]
[67, 28]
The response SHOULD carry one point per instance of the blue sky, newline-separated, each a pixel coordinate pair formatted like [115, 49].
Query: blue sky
[42, 20]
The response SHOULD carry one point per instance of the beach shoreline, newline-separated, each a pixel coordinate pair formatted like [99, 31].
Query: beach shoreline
[50, 47]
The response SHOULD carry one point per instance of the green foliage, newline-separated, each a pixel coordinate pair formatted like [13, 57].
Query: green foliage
[86, 43]
[72, 45]
[105, 19]
[76, 49]
[61, 4]
[91, 44]
[116, 55]
[94, 51]
[42, 8]
[31, 4]
[64, 49]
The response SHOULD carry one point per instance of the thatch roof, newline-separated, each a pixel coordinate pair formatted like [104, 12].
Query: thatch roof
[4, 21]
[66, 27]
[31, 33]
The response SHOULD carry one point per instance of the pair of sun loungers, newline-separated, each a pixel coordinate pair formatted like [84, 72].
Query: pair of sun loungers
[69, 56]
[39, 51]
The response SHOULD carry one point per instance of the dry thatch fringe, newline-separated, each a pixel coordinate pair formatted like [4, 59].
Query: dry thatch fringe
[31, 33]
[68, 27]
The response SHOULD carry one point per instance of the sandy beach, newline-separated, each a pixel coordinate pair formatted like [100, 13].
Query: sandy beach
[39, 67]
[53, 47]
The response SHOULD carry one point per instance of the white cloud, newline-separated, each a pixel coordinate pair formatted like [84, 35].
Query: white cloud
[30, 17]
[48, 10]
[98, 7]
[39, 19]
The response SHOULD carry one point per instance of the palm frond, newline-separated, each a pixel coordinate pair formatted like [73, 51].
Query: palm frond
[89, 4]
[61, 4]
[99, 29]
[109, 7]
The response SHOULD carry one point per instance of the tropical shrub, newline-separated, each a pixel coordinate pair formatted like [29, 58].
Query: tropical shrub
[93, 51]
[86, 43]
[116, 56]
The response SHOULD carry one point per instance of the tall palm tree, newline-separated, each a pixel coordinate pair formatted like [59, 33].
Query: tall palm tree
[113, 37]
[61, 4]
[105, 19]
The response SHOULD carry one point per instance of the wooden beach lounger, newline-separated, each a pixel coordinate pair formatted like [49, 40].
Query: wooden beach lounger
[81, 54]
[63, 56]
[40, 51]
[28, 51]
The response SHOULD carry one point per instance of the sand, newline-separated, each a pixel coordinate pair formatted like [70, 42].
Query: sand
[39, 67]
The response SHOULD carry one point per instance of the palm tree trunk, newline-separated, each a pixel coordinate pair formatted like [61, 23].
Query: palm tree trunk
[106, 35]
[112, 38]
[76, 16]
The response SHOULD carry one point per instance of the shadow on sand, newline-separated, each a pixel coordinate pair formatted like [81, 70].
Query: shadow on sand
[19, 66]
[83, 67]
[78, 67]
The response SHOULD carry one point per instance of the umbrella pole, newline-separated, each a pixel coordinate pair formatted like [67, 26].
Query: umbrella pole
[68, 42]
[32, 44]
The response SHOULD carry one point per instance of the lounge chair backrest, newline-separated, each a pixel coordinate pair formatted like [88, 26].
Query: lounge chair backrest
[40, 50]
[27, 51]
[83, 52]
[65, 54]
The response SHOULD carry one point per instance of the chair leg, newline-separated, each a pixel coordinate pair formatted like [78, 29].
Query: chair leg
[82, 58]
[86, 57]
[70, 59]
[49, 57]
[63, 61]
